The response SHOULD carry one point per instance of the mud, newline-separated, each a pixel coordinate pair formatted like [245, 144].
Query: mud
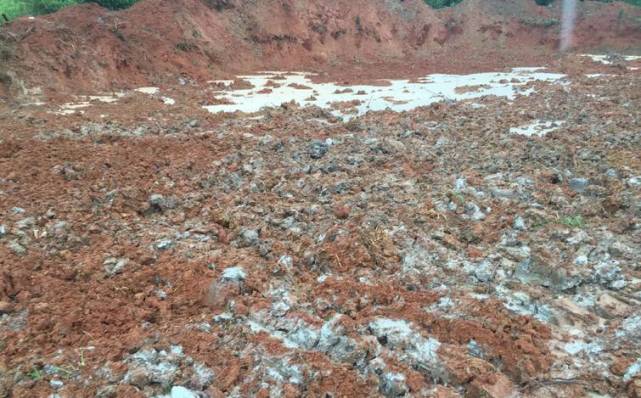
[478, 239]
[155, 249]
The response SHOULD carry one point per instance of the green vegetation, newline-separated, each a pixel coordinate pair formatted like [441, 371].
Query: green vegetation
[15, 8]
[35, 374]
[573, 221]
[442, 3]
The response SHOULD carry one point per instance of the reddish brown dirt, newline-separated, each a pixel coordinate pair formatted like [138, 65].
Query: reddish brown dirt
[154, 42]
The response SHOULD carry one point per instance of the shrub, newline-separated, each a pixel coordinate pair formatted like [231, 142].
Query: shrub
[16, 8]
[113, 4]
[442, 3]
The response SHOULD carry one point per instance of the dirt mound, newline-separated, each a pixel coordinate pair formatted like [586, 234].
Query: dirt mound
[87, 47]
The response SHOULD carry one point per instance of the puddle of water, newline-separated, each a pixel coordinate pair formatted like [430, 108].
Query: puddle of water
[607, 60]
[538, 128]
[271, 89]
[225, 83]
[85, 101]
[148, 90]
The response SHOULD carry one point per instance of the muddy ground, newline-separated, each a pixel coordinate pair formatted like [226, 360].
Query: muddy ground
[151, 249]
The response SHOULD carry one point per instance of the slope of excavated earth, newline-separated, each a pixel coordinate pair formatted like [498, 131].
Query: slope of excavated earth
[156, 41]
[484, 247]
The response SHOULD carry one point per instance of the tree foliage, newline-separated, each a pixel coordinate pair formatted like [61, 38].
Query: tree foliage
[15, 8]
[442, 3]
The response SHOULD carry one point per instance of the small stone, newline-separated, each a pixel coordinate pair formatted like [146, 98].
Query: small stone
[286, 261]
[157, 201]
[519, 223]
[137, 377]
[106, 392]
[17, 248]
[203, 376]
[113, 266]
[579, 184]
[194, 123]
[475, 350]
[164, 244]
[221, 291]
[235, 274]
[393, 385]
[56, 384]
[581, 260]
[318, 149]
[3, 230]
[182, 392]
[634, 181]
[250, 237]
[26, 223]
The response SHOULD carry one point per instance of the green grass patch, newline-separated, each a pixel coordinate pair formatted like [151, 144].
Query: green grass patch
[573, 221]
[17, 8]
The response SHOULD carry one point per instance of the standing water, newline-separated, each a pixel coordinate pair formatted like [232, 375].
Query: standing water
[567, 24]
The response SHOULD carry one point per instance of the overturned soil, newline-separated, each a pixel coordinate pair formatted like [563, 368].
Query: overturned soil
[481, 247]
[147, 247]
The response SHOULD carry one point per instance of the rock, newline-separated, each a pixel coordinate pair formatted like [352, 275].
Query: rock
[26, 223]
[632, 371]
[609, 274]
[219, 292]
[56, 384]
[138, 377]
[182, 392]
[3, 230]
[634, 181]
[157, 201]
[113, 266]
[194, 123]
[150, 366]
[579, 184]
[392, 384]
[475, 350]
[318, 149]
[399, 336]
[235, 274]
[17, 248]
[519, 223]
[474, 212]
[164, 244]
[484, 271]
[109, 391]
[202, 377]
[249, 237]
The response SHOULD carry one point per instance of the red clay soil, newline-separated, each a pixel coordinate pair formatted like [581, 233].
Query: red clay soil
[89, 48]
